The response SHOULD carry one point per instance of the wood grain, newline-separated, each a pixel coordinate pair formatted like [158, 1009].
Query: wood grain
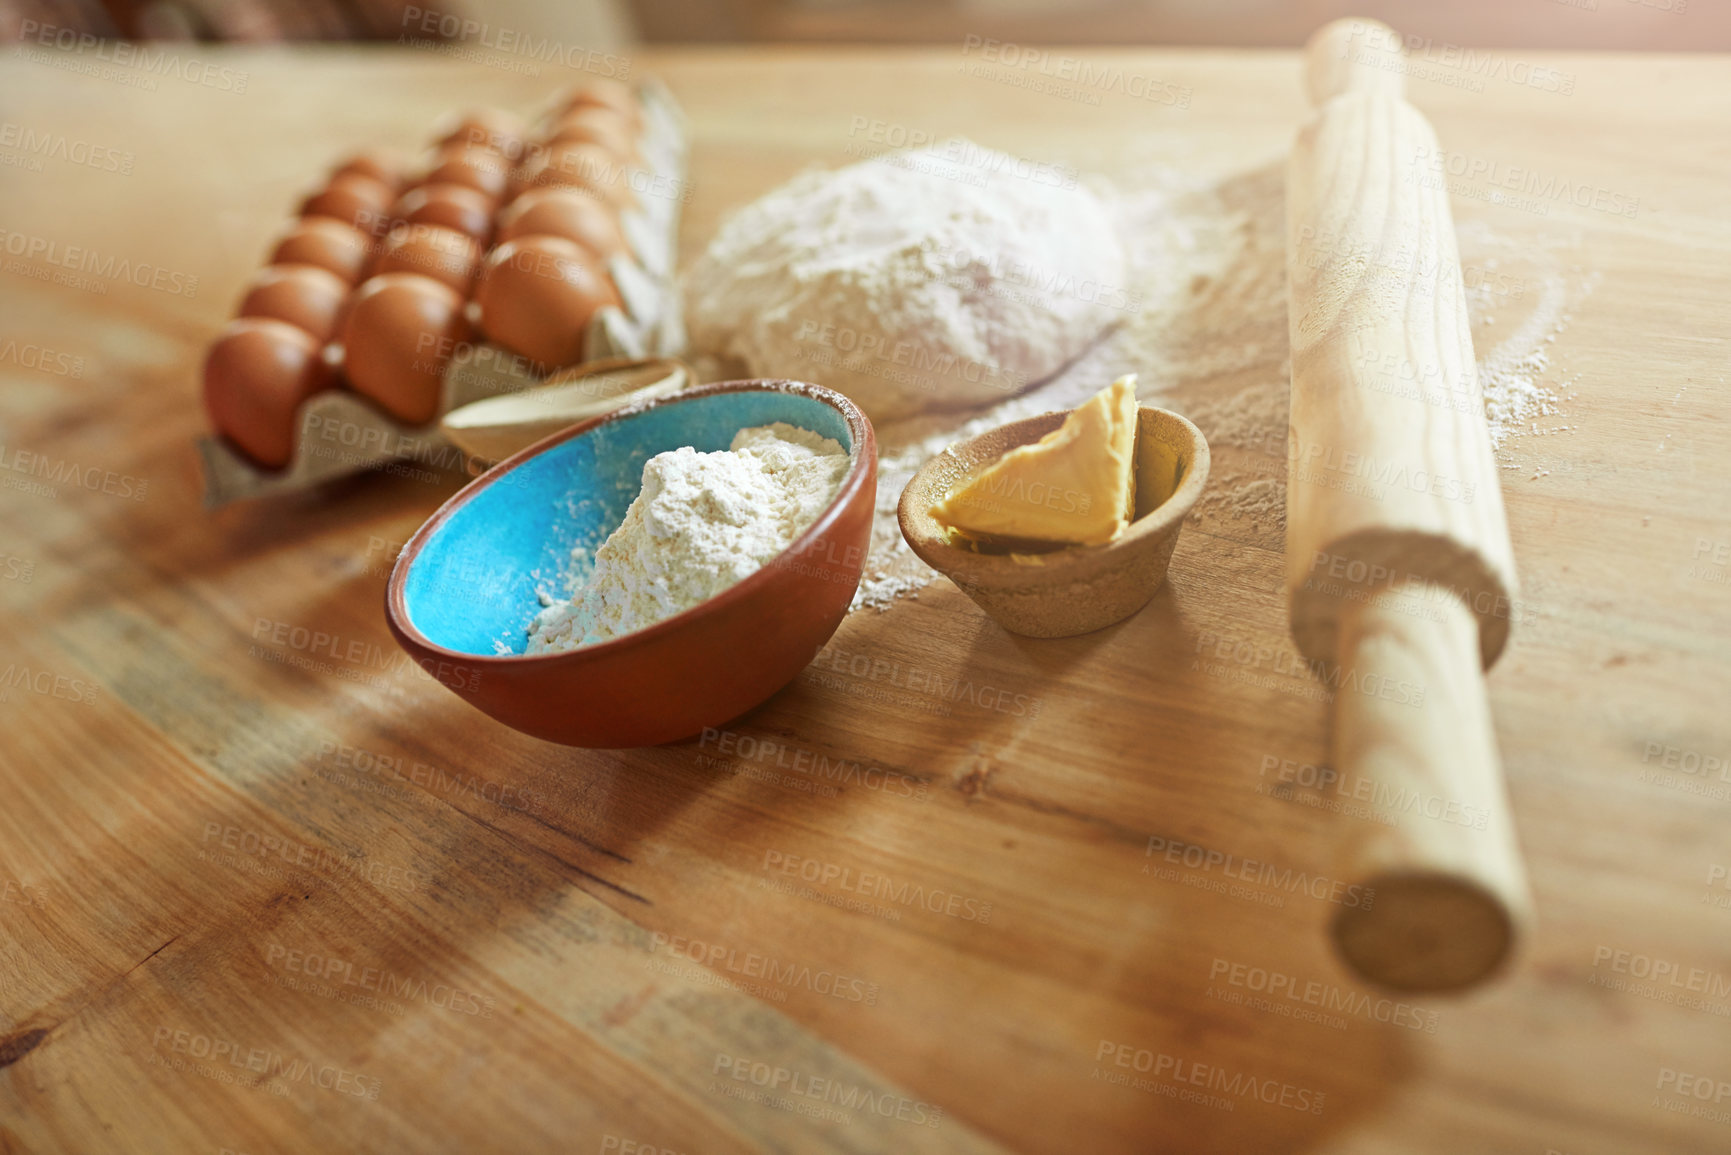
[418, 850]
[1374, 280]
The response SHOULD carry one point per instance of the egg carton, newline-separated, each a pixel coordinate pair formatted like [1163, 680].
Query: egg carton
[342, 433]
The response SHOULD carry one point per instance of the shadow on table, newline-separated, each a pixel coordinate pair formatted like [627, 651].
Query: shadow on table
[1152, 974]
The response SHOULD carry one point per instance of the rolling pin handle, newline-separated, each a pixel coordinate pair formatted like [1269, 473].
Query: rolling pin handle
[1354, 55]
[1450, 900]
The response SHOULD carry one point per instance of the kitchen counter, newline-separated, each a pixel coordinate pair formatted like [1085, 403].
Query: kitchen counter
[268, 886]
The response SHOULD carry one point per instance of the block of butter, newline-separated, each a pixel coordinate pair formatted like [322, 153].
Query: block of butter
[1074, 486]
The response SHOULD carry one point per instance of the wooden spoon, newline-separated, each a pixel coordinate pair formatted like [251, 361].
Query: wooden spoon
[497, 427]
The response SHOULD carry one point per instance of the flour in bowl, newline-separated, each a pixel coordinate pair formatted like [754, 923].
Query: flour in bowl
[701, 523]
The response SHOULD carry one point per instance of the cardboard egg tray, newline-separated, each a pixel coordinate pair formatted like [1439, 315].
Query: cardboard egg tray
[341, 432]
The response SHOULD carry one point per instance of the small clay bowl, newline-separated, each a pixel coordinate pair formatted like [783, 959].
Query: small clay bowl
[1057, 593]
[465, 587]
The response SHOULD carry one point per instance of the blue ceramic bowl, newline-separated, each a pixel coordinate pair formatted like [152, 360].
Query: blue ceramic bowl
[466, 586]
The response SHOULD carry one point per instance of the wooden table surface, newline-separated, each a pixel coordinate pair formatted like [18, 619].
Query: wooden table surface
[267, 887]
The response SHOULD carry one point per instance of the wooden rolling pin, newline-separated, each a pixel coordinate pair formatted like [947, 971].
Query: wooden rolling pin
[1399, 570]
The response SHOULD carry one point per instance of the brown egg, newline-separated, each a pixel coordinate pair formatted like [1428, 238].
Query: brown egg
[604, 93]
[578, 164]
[478, 168]
[381, 165]
[326, 243]
[536, 297]
[561, 212]
[493, 129]
[453, 206]
[400, 330]
[351, 198]
[305, 296]
[433, 251]
[595, 124]
[255, 377]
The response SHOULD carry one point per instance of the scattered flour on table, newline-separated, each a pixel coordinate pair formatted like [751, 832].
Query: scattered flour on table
[1203, 324]
[1517, 377]
[701, 523]
[1204, 308]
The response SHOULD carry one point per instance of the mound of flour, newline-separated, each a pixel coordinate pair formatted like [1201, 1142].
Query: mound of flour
[939, 279]
[702, 522]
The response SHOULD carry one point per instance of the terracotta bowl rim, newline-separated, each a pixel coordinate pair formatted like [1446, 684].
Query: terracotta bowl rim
[929, 540]
[862, 461]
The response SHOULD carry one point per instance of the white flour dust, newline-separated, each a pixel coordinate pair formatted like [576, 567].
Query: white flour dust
[1206, 312]
[914, 282]
[1517, 376]
[702, 522]
[1205, 330]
